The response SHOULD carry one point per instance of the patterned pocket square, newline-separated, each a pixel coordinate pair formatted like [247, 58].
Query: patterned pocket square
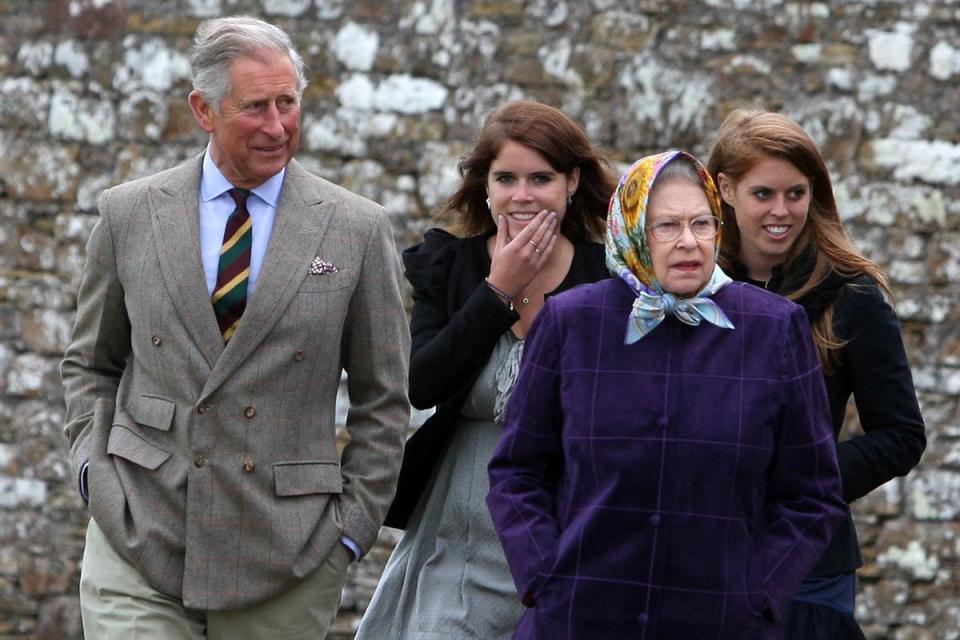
[319, 267]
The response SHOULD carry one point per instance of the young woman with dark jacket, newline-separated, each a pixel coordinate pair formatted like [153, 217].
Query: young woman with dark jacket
[527, 221]
[783, 233]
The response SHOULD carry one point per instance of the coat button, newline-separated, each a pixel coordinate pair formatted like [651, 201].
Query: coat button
[654, 520]
[249, 466]
[298, 356]
[202, 408]
[250, 412]
[156, 340]
[199, 460]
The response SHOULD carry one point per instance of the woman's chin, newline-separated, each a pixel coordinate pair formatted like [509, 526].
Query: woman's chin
[685, 288]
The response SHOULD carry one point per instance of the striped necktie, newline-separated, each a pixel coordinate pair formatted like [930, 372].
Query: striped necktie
[233, 272]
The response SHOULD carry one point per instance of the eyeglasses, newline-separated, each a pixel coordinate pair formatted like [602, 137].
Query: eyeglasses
[703, 227]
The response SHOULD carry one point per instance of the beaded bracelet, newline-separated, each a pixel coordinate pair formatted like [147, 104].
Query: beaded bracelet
[500, 293]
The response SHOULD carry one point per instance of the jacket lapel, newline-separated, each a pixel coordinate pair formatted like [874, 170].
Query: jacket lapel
[175, 219]
[303, 215]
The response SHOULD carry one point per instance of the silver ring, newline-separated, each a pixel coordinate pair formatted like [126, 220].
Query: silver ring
[537, 251]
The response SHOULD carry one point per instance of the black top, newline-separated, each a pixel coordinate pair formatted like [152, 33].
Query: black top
[455, 325]
[873, 368]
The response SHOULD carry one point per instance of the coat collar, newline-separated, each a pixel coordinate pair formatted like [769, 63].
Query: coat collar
[304, 212]
[787, 278]
[175, 218]
[303, 216]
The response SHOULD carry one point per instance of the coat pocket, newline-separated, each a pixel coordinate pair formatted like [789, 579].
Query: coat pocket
[307, 477]
[152, 411]
[128, 445]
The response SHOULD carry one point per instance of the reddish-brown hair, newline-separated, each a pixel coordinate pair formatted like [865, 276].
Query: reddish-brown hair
[747, 137]
[561, 142]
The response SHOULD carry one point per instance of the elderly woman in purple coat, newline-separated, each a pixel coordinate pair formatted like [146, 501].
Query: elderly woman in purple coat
[667, 468]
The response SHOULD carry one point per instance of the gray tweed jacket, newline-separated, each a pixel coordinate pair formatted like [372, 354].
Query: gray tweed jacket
[214, 468]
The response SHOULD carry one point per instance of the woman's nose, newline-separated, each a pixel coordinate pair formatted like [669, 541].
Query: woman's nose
[779, 207]
[521, 193]
[686, 237]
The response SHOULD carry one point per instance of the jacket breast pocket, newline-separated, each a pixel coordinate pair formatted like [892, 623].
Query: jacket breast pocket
[307, 477]
[126, 444]
[325, 282]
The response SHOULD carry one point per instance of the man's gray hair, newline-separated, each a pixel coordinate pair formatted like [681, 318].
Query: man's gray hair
[220, 41]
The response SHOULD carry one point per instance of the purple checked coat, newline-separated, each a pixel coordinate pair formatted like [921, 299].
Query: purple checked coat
[676, 488]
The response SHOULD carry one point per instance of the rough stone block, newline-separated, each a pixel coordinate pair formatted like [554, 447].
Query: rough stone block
[60, 618]
[32, 375]
[25, 103]
[39, 171]
[935, 495]
[76, 118]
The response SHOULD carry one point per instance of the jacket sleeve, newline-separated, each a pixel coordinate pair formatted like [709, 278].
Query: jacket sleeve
[100, 345]
[527, 464]
[803, 506]
[374, 352]
[448, 347]
[876, 368]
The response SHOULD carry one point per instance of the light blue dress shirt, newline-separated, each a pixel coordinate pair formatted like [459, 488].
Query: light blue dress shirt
[216, 205]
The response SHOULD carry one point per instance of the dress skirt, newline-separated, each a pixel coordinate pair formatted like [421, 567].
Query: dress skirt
[448, 579]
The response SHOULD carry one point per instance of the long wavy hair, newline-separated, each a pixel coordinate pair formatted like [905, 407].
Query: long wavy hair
[745, 138]
[564, 146]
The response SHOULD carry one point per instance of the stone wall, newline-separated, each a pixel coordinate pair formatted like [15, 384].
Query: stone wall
[93, 93]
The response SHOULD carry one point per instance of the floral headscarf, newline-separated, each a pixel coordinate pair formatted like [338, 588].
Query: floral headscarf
[628, 253]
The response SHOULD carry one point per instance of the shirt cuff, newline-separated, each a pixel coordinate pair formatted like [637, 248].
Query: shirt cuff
[84, 488]
[350, 544]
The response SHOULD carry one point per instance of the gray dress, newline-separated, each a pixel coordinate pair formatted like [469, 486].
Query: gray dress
[447, 577]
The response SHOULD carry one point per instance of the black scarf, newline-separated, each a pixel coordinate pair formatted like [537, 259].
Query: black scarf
[815, 301]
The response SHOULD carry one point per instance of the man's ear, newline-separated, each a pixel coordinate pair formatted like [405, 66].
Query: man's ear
[202, 110]
[725, 186]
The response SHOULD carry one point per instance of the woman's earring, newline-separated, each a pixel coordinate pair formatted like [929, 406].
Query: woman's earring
[569, 199]
[488, 202]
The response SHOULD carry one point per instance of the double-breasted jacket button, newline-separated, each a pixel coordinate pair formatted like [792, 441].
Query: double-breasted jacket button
[156, 340]
[250, 411]
[298, 356]
[249, 466]
[654, 520]
[199, 460]
[202, 407]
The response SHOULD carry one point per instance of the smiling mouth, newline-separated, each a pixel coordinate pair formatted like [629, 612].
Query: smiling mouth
[778, 230]
[271, 149]
[522, 216]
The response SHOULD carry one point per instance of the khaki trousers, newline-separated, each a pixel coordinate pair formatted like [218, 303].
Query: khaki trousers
[117, 604]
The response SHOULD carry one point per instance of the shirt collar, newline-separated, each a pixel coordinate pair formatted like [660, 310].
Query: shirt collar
[213, 184]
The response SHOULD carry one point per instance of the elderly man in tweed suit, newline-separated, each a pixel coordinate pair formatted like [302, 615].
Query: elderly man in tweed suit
[221, 301]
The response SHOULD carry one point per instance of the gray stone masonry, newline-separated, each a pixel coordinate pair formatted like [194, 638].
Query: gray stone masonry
[92, 93]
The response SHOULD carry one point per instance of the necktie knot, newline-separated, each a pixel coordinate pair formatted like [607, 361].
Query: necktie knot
[240, 196]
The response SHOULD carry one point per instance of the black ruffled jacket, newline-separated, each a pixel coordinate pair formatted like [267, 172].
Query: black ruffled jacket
[873, 368]
[455, 325]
